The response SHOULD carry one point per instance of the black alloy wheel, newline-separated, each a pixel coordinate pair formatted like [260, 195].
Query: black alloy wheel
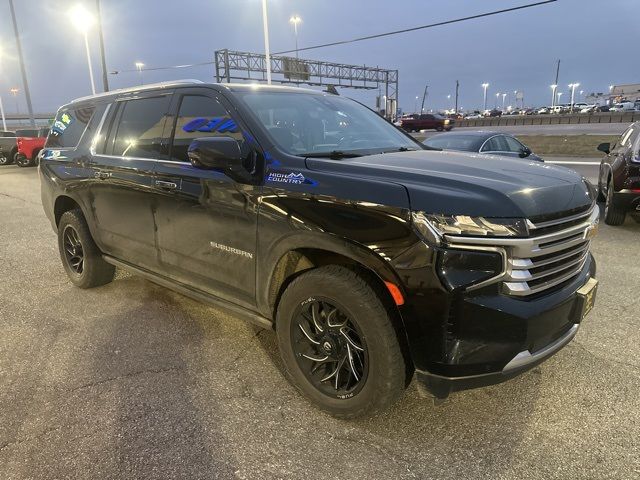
[73, 251]
[339, 341]
[330, 349]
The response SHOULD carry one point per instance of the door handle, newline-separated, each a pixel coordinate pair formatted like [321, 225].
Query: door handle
[166, 185]
[102, 175]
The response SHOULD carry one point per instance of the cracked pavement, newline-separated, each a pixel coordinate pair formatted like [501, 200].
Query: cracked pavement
[131, 380]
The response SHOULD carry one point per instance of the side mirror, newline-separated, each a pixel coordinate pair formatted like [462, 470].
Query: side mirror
[220, 153]
[525, 152]
[605, 147]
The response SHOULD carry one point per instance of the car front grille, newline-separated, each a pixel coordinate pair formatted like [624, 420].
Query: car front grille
[554, 253]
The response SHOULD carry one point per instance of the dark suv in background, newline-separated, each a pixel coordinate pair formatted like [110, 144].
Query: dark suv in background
[372, 257]
[619, 179]
[426, 121]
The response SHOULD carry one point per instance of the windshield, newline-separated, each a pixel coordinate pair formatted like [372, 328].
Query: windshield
[302, 123]
[464, 143]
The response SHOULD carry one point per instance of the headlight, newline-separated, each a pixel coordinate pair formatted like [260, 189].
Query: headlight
[446, 122]
[463, 225]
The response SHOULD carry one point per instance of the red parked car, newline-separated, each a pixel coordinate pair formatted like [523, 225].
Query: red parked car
[30, 142]
[426, 121]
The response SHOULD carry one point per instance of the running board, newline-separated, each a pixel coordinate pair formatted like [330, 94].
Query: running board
[190, 292]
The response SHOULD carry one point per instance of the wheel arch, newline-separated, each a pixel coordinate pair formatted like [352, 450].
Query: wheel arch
[64, 203]
[296, 255]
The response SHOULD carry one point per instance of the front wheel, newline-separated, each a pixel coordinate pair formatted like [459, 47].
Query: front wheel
[338, 343]
[4, 160]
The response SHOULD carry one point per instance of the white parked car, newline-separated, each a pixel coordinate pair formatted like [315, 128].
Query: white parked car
[588, 109]
[623, 107]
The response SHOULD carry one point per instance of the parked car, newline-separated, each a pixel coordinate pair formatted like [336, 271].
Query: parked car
[371, 256]
[619, 179]
[589, 109]
[623, 107]
[490, 143]
[427, 121]
[8, 147]
[493, 113]
[30, 142]
[544, 110]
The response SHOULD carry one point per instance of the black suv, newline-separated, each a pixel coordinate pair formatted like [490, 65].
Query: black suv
[372, 257]
[619, 179]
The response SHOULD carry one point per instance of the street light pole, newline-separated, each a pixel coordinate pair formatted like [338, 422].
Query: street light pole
[504, 96]
[415, 105]
[139, 66]
[83, 21]
[105, 80]
[485, 86]
[86, 46]
[496, 104]
[265, 28]
[295, 19]
[4, 120]
[14, 91]
[553, 95]
[573, 86]
[25, 84]
[424, 96]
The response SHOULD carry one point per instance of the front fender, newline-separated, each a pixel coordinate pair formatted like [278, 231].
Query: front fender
[370, 235]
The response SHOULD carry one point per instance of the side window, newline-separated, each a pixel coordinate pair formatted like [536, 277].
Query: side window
[68, 127]
[493, 144]
[513, 145]
[200, 116]
[139, 130]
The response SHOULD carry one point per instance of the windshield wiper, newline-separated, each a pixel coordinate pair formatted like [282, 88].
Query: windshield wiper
[334, 154]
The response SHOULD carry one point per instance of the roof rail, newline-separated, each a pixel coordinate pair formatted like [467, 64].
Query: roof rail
[149, 86]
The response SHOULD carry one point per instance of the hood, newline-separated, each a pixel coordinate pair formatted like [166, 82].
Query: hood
[457, 183]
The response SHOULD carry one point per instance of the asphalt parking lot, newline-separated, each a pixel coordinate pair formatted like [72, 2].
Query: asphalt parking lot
[131, 380]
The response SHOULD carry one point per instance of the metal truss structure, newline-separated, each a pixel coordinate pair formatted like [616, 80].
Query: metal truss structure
[246, 66]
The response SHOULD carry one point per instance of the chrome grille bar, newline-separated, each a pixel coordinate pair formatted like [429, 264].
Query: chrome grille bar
[540, 262]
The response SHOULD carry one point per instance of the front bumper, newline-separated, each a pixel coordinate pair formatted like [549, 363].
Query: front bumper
[441, 386]
[488, 337]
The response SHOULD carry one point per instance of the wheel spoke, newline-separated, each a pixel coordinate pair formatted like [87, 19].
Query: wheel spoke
[321, 359]
[315, 315]
[332, 314]
[353, 368]
[351, 342]
[309, 337]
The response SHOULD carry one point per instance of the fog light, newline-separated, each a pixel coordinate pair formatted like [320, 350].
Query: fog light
[463, 268]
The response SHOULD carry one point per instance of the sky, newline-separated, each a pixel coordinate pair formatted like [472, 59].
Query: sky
[596, 41]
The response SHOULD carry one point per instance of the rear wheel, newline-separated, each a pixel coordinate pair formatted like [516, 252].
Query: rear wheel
[338, 343]
[81, 258]
[613, 215]
[4, 160]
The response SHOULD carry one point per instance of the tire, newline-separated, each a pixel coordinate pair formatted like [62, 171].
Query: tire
[22, 161]
[373, 367]
[75, 242]
[5, 160]
[439, 129]
[613, 215]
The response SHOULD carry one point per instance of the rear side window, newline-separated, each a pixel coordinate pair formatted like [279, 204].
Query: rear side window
[200, 116]
[140, 128]
[68, 127]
